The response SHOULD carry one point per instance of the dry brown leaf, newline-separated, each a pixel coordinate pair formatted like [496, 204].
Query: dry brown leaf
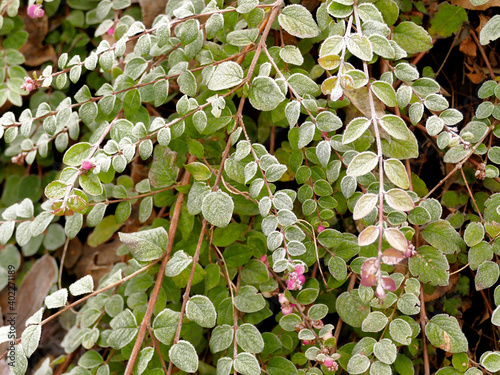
[150, 9]
[467, 5]
[468, 47]
[33, 50]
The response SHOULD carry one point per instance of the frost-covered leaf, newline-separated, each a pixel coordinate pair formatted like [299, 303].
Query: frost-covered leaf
[217, 208]
[82, 286]
[146, 245]
[184, 357]
[444, 332]
[298, 21]
[202, 311]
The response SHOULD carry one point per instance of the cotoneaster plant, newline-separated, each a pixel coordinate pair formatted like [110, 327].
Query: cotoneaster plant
[254, 158]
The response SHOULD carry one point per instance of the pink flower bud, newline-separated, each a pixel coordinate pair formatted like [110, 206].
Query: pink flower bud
[306, 342]
[287, 309]
[282, 298]
[328, 362]
[35, 11]
[290, 284]
[302, 279]
[28, 84]
[324, 134]
[320, 228]
[87, 165]
[334, 366]
[299, 269]
[111, 31]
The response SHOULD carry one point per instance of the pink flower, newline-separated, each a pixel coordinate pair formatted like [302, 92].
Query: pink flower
[29, 84]
[299, 269]
[328, 362]
[320, 228]
[286, 310]
[111, 31]
[35, 11]
[286, 306]
[296, 279]
[306, 342]
[87, 165]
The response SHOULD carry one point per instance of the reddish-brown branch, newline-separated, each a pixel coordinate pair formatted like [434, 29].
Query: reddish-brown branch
[159, 277]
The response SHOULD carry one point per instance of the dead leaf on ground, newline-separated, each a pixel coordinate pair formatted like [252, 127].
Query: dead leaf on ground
[150, 9]
[35, 52]
[468, 47]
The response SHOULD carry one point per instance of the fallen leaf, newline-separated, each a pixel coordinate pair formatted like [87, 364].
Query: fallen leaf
[150, 9]
[468, 47]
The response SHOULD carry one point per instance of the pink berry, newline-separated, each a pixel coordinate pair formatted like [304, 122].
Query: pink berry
[35, 11]
[87, 165]
[328, 362]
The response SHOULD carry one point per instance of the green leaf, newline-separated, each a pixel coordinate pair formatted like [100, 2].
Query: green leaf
[249, 300]
[202, 311]
[401, 331]
[491, 361]
[145, 357]
[82, 286]
[474, 234]
[362, 164]
[358, 364]
[241, 38]
[31, 338]
[395, 126]
[221, 338]
[430, 266]
[249, 338]
[385, 351]
[146, 245]
[396, 172]
[351, 309]
[265, 94]
[490, 31]
[183, 356]
[77, 154]
[399, 200]
[247, 364]
[443, 236]
[217, 208]
[165, 325]
[385, 92]
[298, 21]
[57, 299]
[226, 75]
[91, 184]
[291, 55]
[411, 37]
[374, 322]
[487, 275]
[444, 332]
[163, 171]
[447, 20]
[355, 129]
[199, 171]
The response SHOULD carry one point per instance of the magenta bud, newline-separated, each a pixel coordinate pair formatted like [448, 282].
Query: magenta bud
[328, 362]
[320, 228]
[87, 165]
[111, 31]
